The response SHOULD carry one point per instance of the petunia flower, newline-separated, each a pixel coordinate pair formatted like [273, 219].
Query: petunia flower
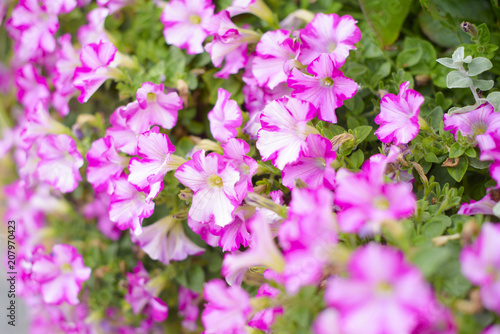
[329, 34]
[61, 275]
[60, 162]
[143, 294]
[225, 117]
[94, 31]
[276, 55]
[481, 265]
[326, 88]
[264, 319]
[327, 322]
[31, 86]
[185, 23]
[165, 241]
[226, 310]
[398, 118]
[483, 206]
[255, 7]
[494, 329]
[282, 138]
[212, 181]
[129, 206]
[114, 5]
[188, 308]
[99, 209]
[153, 107]
[125, 139]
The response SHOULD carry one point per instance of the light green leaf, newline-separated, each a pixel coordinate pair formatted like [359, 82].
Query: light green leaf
[456, 150]
[409, 57]
[361, 132]
[448, 62]
[479, 65]
[436, 226]
[496, 210]
[483, 84]
[456, 79]
[494, 99]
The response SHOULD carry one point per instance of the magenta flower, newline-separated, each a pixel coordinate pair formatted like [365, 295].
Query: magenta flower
[32, 26]
[125, 139]
[235, 234]
[264, 319]
[226, 310]
[60, 162]
[314, 167]
[212, 181]
[327, 322]
[494, 329]
[155, 150]
[94, 31]
[185, 23]
[99, 209]
[165, 241]
[366, 201]
[31, 86]
[105, 163]
[143, 294]
[483, 206]
[128, 206]
[61, 275]
[326, 89]
[188, 308]
[329, 34]
[95, 70]
[114, 5]
[225, 117]
[476, 124]
[398, 118]
[490, 146]
[481, 265]
[383, 294]
[282, 138]
[153, 107]
[276, 55]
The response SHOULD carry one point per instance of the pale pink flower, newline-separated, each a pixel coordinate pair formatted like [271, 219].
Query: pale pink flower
[329, 34]
[95, 70]
[327, 322]
[314, 167]
[226, 310]
[264, 319]
[235, 234]
[326, 88]
[212, 181]
[61, 6]
[153, 107]
[61, 275]
[483, 206]
[481, 265]
[494, 329]
[276, 55]
[225, 117]
[143, 294]
[398, 118]
[128, 206]
[166, 241]
[104, 163]
[188, 308]
[185, 23]
[125, 139]
[60, 162]
[282, 138]
[31, 86]
[37, 124]
[94, 31]
[99, 209]
[114, 5]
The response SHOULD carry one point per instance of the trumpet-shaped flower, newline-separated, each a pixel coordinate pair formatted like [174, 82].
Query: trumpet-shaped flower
[153, 107]
[330, 34]
[226, 310]
[481, 265]
[314, 167]
[264, 319]
[225, 117]
[60, 162]
[31, 86]
[212, 181]
[61, 275]
[128, 206]
[185, 23]
[38, 123]
[282, 138]
[398, 118]
[326, 88]
[165, 241]
[125, 139]
[94, 31]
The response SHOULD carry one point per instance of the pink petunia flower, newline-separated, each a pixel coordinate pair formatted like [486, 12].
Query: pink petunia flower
[128, 206]
[95, 70]
[61, 275]
[483, 206]
[225, 117]
[264, 319]
[276, 55]
[314, 167]
[104, 163]
[256, 7]
[326, 88]
[125, 139]
[398, 118]
[99, 209]
[282, 138]
[329, 34]
[481, 265]
[60, 162]
[226, 310]
[185, 23]
[153, 107]
[143, 294]
[31, 86]
[476, 124]
[165, 241]
[494, 329]
[94, 31]
[114, 5]
[188, 308]
[212, 181]
[383, 293]
[235, 234]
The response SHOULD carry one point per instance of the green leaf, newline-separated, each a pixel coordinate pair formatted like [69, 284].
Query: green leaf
[436, 226]
[431, 157]
[386, 19]
[479, 65]
[407, 58]
[361, 132]
[429, 259]
[456, 79]
[448, 62]
[483, 84]
[471, 152]
[494, 99]
[456, 150]
[357, 158]
[458, 172]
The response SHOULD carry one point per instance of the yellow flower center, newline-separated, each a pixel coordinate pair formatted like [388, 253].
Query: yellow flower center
[381, 203]
[195, 19]
[66, 268]
[215, 181]
[327, 82]
[151, 97]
